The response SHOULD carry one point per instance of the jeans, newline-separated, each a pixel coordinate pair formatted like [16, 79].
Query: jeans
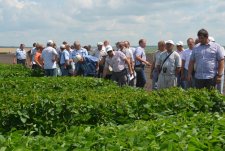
[180, 82]
[141, 79]
[23, 61]
[65, 72]
[155, 77]
[51, 72]
[189, 84]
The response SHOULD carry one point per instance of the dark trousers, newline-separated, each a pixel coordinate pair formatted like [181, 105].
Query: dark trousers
[23, 61]
[205, 83]
[141, 79]
[120, 77]
[51, 72]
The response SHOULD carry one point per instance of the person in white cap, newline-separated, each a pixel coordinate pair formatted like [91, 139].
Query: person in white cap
[117, 60]
[86, 65]
[168, 64]
[180, 50]
[49, 57]
[100, 54]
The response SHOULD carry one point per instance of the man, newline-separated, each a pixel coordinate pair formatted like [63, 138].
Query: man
[168, 64]
[219, 86]
[180, 50]
[129, 55]
[185, 62]
[86, 65]
[140, 62]
[100, 54]
[32, 55]
[154, 75]
[79, 50]
[49, 57]
[117, 60]
[20, 56]
[209, 60]
[64, 60]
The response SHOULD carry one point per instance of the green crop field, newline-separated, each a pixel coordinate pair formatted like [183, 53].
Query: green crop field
[76, 113]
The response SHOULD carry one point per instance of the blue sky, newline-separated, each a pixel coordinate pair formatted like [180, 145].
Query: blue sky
[90, 21]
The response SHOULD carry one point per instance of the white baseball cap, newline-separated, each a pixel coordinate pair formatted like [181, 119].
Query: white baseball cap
[170, 42]
[179, 43]
[211, 39]
[77, 58]
[109, 48]
[100, 43]
[62, 46]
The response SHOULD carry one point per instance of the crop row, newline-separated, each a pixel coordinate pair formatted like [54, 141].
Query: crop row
[52, 105]
[202, 131]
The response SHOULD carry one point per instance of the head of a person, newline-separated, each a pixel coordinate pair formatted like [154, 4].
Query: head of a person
[50, 43]
[117, 45]
[169, 45]
[190, 43]
[62, 47]
[22, 46]
[67, 46]
[109, 51]
[34, 44]
[196, 41]
[78, 59]
[161, 45]
[127, 44]
[77, 45]
[106, 43]
[142, 43]
[64, 42]
[99, 45]
[121, 45]
[39, 47]
[203, 36]
[180, 45]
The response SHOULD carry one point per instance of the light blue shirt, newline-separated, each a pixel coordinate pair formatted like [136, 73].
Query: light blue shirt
[65, 56]
[83, 52]
[206, 59]
[141, 53]
[21, 54]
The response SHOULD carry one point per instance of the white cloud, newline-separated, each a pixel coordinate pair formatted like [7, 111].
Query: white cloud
[93, 20]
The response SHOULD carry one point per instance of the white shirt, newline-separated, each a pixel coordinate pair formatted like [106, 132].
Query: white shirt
[186, 57]
[116, 62]
[21, 54]
[33, 52]
[99, 54]
[47, 55]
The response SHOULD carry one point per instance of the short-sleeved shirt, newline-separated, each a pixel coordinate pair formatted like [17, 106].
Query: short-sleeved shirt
[88, 66]
[47, 55]
[156, 57]
[21, 54]
[65, 56]
[186, 57]
[173, 62]
[37, 57]
[83, 52]
[139, 51]
[116, 62]
[128, 53]
[99, 54]
[206, 59]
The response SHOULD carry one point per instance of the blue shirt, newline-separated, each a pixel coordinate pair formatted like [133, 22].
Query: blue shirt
[206, 59]
[65, 56]
[83, 52]
[139, 52]
[21, 54]
[88, 66]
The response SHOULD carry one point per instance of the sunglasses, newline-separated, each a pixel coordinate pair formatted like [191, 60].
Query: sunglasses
[202, 35]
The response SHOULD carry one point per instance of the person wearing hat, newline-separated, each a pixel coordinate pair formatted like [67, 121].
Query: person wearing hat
[64, 60]
[49, 57]
[168, 64]
[208, 58]
[86, 65]
[100, 54]
[117, 61]
[180, 50]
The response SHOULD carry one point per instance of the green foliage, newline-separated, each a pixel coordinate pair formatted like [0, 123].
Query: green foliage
[9, 71]
[76, 113]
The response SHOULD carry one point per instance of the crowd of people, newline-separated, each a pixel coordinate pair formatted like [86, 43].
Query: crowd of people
[201, 65]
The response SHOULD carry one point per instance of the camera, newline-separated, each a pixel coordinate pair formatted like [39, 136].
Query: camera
[164, 70]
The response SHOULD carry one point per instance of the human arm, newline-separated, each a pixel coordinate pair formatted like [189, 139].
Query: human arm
[220, 71]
